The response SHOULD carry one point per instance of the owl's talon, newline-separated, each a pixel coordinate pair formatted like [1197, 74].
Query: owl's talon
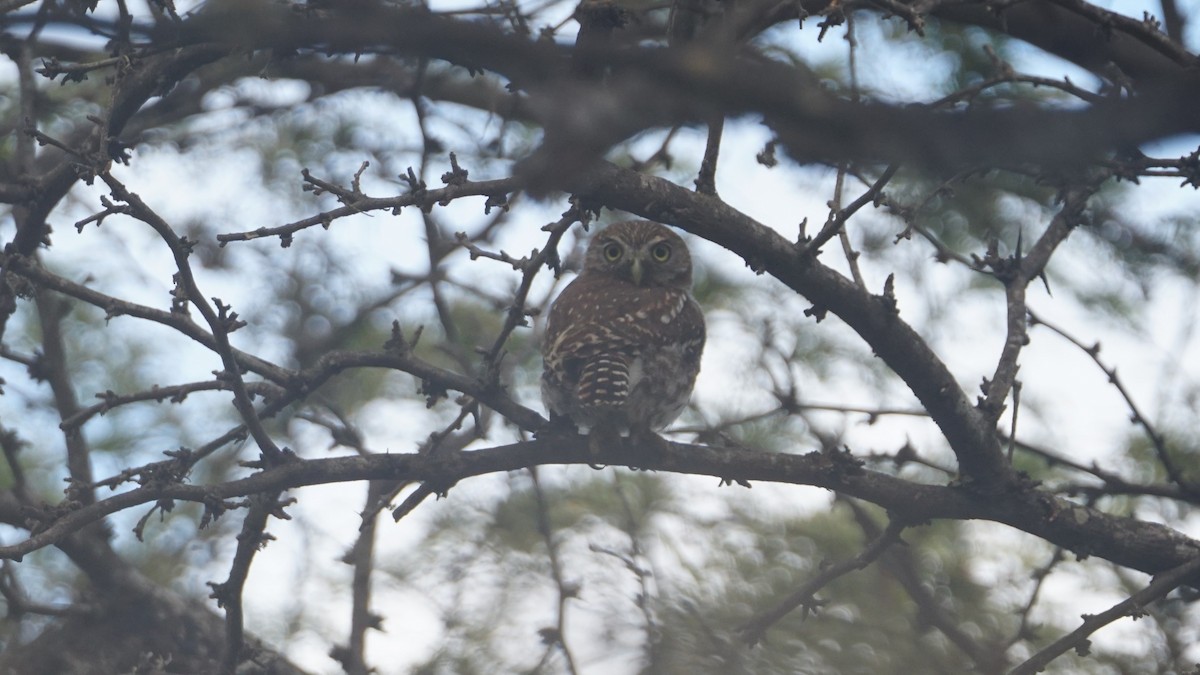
[648, 445]
[601, 440]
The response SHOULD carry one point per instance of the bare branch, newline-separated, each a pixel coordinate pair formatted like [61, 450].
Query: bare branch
[173, 393]
[556, 637]
[1138, 418]
[55, 366]
[969, 434]
[1133, 606]
[228, 594]
[362, 558]
[1129, 542]
[424, 199]
[754, 630]
[221, 321]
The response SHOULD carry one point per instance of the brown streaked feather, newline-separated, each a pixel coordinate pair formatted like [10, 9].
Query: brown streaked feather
[619, 353]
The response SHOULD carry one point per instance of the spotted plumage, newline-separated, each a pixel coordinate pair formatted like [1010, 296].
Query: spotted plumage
[623, 340]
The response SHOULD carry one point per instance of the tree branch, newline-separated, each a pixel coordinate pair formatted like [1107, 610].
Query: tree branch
[424, 199]
[1141, 545]
[652, 87]
[755, 630]
[875, 319]
[1174, 472]
[1133, 606]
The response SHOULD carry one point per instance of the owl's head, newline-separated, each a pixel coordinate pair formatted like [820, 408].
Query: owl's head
[642, 253]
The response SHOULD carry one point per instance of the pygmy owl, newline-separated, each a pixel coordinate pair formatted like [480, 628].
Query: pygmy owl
[623, 340]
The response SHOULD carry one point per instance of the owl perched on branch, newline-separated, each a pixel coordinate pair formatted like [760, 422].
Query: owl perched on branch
[623, 340]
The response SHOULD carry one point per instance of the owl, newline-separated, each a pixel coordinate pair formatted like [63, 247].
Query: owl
[623, 340]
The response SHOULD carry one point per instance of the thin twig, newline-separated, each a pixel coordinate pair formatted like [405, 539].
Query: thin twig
[362, 558]
[221, 321]
[1039, 577]
[115, 307]
[56, 369]
[1016, 272]
[11, 445]
[172, 393]
[838, 217]
[547, 256]
[1133, 606]
[642, 574]
[1138, 418]
[492, 189]
[844, 237]
[706, 181]
[900, 563]
[873, 415]
[566, 590]
[1016, 409]
[754, 630]
[228, 594]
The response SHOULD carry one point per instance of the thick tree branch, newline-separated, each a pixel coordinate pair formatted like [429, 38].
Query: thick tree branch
[1141, 545]
[874, 318]
[653, 87]
[55, 367]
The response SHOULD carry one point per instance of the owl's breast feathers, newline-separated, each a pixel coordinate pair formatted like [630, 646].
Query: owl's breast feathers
[624, 355]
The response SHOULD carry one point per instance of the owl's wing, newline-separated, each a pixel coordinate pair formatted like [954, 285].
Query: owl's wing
[592, 353]
[593, 361]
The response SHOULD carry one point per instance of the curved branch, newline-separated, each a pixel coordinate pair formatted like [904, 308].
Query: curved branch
[1149, 547]
[61, 170]
[1083, 34]
[1133, 606]
[175, 393]
[1077, 31]
[114, 307]
[221, 319]
[651, 87]
[873, 317]
[1137, 416]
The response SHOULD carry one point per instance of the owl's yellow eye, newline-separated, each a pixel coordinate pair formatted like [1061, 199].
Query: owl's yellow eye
[661, 252]
[612, 252]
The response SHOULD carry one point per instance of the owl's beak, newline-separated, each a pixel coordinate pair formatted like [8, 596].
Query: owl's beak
[635, 270]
